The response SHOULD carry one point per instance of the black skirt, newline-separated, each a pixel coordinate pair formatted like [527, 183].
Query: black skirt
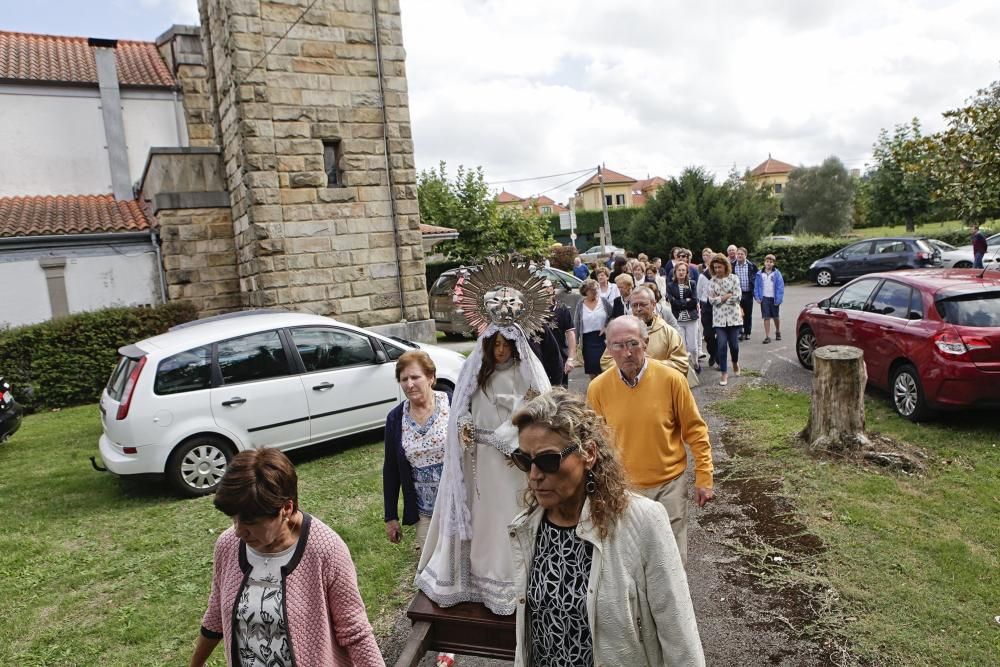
[593, 348]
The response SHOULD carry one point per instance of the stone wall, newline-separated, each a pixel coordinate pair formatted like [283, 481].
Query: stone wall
[181, 49]
[198, 258]
[299, 243]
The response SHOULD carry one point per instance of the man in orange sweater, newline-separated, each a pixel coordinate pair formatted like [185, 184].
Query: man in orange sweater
[652, 413]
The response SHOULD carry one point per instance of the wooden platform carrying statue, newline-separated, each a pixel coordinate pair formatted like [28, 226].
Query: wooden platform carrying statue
[465, 572]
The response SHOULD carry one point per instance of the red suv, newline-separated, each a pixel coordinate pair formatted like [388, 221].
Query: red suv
[931, 338]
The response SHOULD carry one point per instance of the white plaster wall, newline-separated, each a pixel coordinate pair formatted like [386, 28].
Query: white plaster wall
[128, 279]
[150, 120]
[52, 142]
[24, 296]
[92, 283]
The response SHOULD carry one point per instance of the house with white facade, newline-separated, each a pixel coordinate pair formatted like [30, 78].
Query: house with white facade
[78, 117]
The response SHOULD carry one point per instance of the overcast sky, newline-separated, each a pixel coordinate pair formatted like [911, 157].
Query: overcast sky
[527, 88]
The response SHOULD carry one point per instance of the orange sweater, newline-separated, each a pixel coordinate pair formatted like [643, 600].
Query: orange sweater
[651, 422]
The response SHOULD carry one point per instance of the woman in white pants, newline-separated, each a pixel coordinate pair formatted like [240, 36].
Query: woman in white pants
[684, 305]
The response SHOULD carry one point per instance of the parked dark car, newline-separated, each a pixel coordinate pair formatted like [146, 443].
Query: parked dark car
[931, 338]
[449, 319]
[872, 256]
[10, 412]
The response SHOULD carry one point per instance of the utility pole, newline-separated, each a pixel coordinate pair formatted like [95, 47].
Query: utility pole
[604, 206]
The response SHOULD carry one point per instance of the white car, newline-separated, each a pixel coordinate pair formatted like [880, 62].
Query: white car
[961, 258]
[181, 404]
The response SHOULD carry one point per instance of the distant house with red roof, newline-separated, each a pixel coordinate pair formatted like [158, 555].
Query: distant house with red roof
[541, 205]
[772, 174]
[619, 190]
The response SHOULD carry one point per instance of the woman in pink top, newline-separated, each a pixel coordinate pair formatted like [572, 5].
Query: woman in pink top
[284, 591]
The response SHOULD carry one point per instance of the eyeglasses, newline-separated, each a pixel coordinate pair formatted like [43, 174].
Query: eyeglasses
[547, 462]
[632, 345]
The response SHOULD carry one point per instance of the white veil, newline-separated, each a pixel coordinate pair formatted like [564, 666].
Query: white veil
[451, 501]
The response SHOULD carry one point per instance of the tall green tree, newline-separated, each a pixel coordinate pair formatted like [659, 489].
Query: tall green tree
[821, 198]
[900, 186]
[693, 211]
[465, 203]
[966, 157]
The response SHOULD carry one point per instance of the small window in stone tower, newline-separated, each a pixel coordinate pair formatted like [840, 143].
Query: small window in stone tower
[331, 163]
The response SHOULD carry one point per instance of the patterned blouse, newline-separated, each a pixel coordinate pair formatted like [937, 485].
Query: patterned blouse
[728, 314]
[424, 449]
[261, 632]
[557, 598]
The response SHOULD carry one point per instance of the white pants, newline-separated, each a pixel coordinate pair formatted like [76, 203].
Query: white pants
[689, 331]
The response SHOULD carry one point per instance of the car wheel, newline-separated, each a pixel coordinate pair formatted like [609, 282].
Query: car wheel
[962, 265]
[196, 467]
[824, 277]
[908, 394]
[805, 345]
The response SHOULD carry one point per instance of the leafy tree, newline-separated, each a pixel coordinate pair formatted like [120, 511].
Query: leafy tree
[466, 204]
[900, 188]
[966, 157]
[821, 198]
[693, 211]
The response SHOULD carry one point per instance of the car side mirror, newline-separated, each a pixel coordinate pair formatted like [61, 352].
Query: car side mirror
[380, 356]
[824, 304]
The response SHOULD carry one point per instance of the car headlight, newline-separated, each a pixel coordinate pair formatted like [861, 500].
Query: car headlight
[813, 265]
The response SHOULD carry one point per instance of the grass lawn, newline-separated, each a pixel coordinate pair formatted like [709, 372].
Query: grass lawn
[97, 572]
[930, 229]
[915, 560]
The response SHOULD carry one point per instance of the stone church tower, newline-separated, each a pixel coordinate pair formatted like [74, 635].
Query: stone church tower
[308, 102]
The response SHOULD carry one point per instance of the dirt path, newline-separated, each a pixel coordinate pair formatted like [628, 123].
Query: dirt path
[743, 622]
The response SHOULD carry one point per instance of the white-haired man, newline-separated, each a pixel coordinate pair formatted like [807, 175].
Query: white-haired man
[652, 413]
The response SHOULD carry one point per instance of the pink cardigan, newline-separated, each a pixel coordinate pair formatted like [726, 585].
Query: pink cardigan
[327, 623]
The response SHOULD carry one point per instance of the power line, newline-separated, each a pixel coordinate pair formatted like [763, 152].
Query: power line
[541, 178]
[280, 40]
[560, 185]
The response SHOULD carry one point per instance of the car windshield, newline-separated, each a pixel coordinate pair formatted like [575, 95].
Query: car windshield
[972, 310]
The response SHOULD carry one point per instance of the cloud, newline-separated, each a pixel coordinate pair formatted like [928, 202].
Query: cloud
[526, 88]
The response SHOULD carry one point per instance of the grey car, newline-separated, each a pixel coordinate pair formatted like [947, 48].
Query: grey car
[449, 320]
[874, 256]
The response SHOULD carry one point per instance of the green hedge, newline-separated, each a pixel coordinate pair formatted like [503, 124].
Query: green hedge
[793, 259]
[67, 361]
[589, 222]
[958, 237]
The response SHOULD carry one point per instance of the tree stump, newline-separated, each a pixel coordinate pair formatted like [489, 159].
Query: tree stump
[837, 414]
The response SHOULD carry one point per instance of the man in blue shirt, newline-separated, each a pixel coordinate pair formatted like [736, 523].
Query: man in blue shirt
[580, 269]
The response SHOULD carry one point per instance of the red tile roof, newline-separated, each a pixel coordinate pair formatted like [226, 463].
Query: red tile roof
[75, 214]
[771, 166]
[507, 198]
[27, 57]
[653, 183]
[435, 229]
[609, 177]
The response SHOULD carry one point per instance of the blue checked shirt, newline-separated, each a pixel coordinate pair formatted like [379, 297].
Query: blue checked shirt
[742, 271]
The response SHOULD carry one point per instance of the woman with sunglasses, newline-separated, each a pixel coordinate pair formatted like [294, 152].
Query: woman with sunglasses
[598, 575]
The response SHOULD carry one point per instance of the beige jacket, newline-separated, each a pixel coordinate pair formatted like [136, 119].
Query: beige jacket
[638, 603]
[666, 345]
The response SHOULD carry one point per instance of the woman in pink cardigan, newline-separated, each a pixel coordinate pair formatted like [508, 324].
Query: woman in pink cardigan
[284, 591]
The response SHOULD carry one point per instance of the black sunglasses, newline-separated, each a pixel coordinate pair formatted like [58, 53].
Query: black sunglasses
[547, 462]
